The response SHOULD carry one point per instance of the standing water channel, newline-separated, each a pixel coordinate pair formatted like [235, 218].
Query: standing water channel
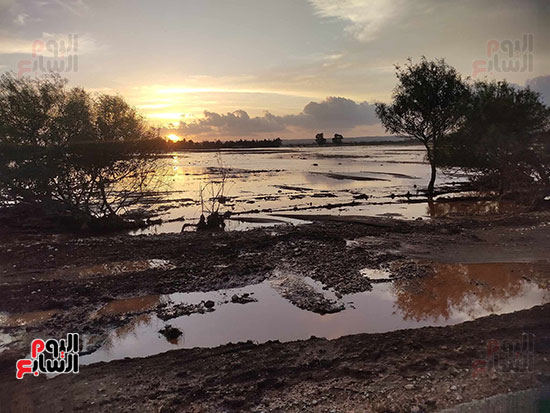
[452, 294]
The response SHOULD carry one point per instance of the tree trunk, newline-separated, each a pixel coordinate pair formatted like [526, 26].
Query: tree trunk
[431, 159]
[101, 186]
[432, 180]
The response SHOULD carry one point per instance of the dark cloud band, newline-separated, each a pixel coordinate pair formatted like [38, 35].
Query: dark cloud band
[333, 112]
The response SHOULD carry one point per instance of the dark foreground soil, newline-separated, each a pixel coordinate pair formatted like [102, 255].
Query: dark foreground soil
[404, 371]
[414, 370]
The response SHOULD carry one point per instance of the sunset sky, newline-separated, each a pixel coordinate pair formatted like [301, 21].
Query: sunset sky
[266, 68]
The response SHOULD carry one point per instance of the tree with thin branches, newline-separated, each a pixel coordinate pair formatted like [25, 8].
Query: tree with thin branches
[429, 103]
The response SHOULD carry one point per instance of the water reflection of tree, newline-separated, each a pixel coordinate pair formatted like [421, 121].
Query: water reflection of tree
[465, 288]
[138, 322]
[126, 330]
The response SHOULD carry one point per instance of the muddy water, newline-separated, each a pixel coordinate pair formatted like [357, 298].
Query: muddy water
[26, 319]
[129, 305]
[308, 180]
[452, 294]
[469, 291]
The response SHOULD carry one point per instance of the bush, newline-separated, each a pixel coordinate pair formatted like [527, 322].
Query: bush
[504, 144]
[70, 152]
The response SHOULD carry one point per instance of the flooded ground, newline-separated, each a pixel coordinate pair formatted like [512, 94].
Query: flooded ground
[453, 293]
[349, 180]
[335, 278]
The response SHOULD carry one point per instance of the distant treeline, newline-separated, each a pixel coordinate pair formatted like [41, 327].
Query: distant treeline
[165, 145]
[218, 144]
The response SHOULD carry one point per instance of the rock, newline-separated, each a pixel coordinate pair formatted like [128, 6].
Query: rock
[305, 296]
[209, 304]
[242, 299]
[171, 333]
[453, 387]
[409, 386]
[166, 312]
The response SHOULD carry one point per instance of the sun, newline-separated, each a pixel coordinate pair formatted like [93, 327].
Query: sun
[173, 138]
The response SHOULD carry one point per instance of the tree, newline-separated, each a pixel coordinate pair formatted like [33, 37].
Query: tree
[320, 139]
[69, 152]
[337, 140]
[504, 144]
[429, 103]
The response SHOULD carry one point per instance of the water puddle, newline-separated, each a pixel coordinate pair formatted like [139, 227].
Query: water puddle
[26, 319]
[129, 305]
[5, 341]
[234, 223]
[358, 180]
[112, 268]
[452, 294]
[470, 291]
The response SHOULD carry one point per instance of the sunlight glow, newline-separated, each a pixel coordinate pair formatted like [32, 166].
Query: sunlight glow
[173, 138]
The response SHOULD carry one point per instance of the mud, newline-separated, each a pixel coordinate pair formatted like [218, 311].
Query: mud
[54, 284]
[414, 370]
[304, 294]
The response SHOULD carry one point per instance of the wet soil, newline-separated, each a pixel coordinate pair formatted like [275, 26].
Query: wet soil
[404, 371]
[65, 277]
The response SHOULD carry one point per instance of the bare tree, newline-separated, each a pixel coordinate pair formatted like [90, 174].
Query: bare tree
[212, 198]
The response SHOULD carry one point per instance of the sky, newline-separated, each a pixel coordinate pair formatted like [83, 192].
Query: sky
[268, 68]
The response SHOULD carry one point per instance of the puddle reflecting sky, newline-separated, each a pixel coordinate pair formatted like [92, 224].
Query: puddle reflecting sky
[302, 178]
[453, 294]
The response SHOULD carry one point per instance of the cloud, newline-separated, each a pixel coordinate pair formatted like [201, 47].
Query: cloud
[6, 5]
[365, 18]
[17, 14]
[336, 113]
[76, 7]
[14, 46]
[21, 19]
[54, 44]
[237, 123]
[541, 84]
